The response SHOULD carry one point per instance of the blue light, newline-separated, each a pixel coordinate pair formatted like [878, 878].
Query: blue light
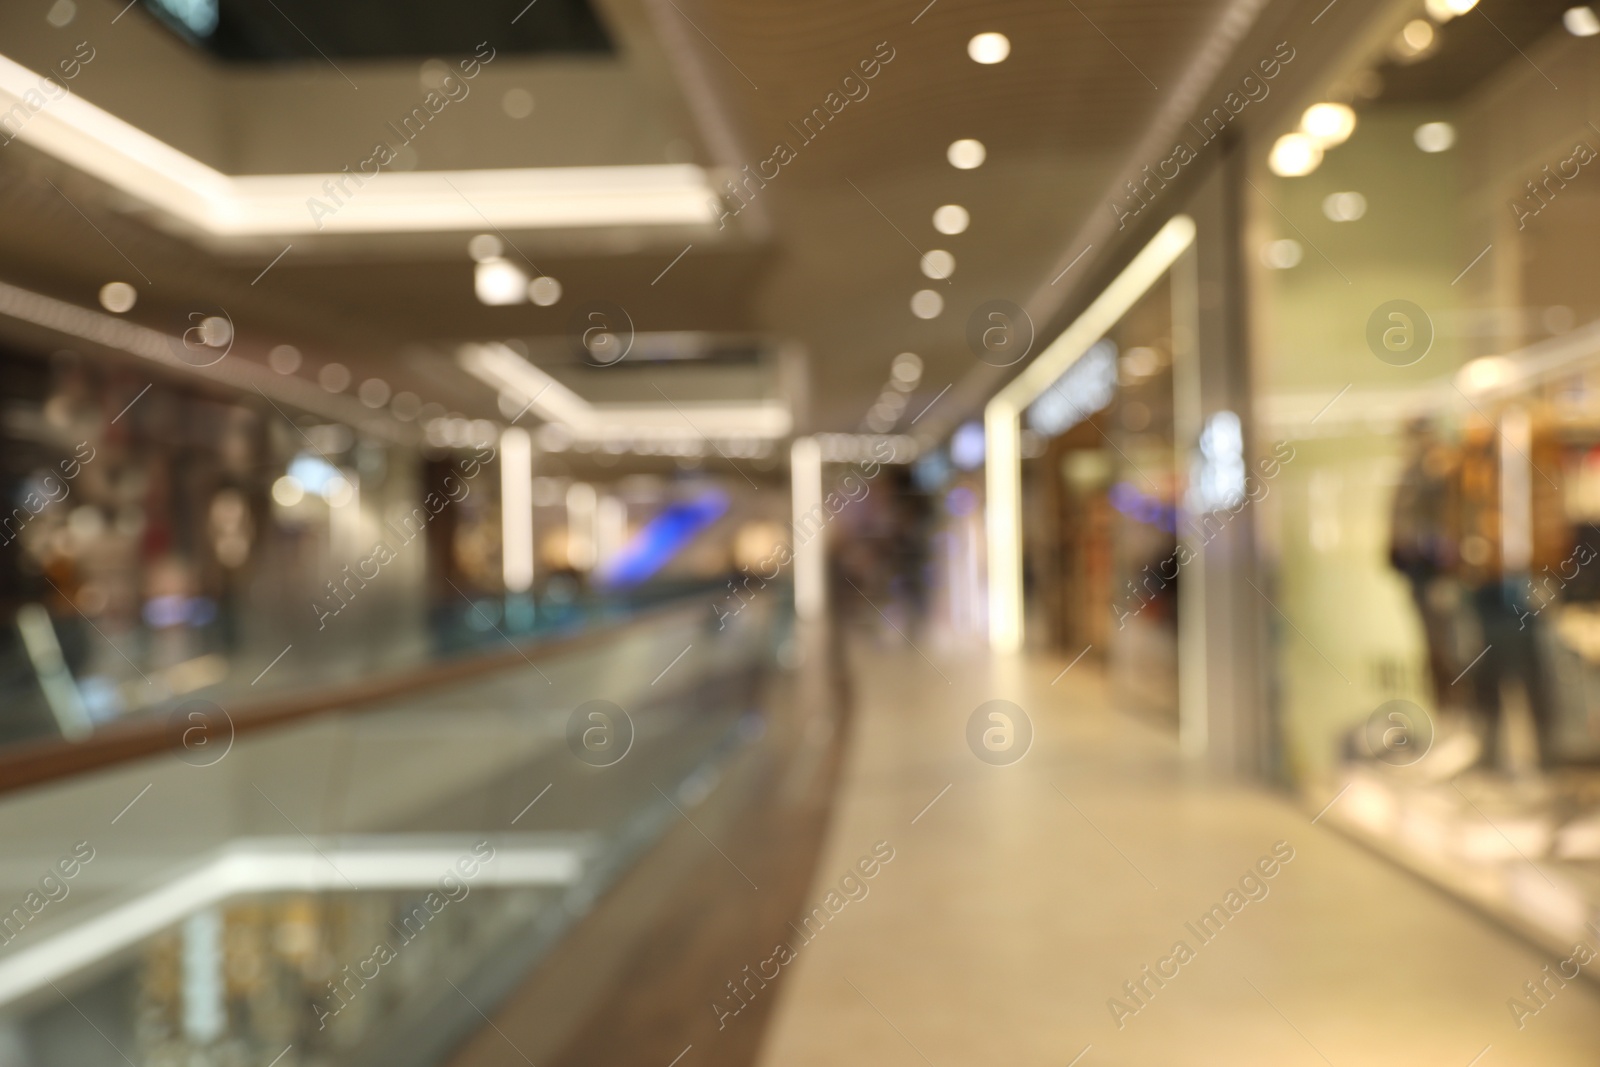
[662, 538]
[314, 473]
[199, 17]
[967, 446]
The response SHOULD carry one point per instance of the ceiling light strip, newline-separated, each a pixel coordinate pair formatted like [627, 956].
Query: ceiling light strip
[127, 158]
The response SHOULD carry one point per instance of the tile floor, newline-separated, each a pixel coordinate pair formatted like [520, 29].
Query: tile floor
[1020, 902]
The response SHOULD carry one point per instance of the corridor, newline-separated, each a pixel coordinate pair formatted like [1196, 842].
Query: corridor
[1020, 901]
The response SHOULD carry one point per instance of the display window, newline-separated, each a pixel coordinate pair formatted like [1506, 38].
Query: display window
[1425, 336]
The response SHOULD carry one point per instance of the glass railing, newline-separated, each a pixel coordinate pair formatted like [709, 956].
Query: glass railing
[356, 885]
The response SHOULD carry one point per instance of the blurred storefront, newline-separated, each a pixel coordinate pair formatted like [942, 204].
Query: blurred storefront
[167, 540]
[1425, 337]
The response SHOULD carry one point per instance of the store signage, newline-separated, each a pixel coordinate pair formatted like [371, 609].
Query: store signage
[1083, 389]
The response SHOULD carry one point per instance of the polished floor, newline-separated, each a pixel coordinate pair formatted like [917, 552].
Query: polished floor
[1020, 899]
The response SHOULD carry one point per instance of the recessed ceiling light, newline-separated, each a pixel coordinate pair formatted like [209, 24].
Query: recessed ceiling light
[61, 13]
[544, 291]
[288, 491]
[989, 48]
[1294, 155]
[405, 406]
[1444, 10]
[1328, 124]
[334, 377]
[1434, 136]
[1581, 21]
[285, 359]
[118, 297]
[484, 247]
[1415, 38]
[498, 282]
[907, 367]
[1344, 207]
[938, 264]
[374, 392]
[966, 154]
[926, 304]
[1282, 255]
[951, 219]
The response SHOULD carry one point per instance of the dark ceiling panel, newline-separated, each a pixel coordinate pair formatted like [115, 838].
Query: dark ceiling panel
[266, 30]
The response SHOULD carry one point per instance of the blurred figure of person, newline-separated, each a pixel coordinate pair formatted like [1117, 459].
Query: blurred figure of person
[1512, 525]
[1423, 546]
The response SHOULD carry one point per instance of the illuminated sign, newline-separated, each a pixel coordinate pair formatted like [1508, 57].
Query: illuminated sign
[1085, 387]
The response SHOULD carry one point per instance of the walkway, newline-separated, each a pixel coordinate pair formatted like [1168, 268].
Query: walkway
[1021, 898]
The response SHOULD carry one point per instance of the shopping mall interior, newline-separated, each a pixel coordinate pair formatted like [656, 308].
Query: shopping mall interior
[694, 534]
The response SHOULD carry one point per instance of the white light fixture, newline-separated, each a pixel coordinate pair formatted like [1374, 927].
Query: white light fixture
[1434, 136]
[498, 282]
[938, 264]
[951, 219]
[544, 291]
[966, 154]
[810, 562]
[926, 304]
[485, 246]
[1002, 422]
[575, 419]
[1442, 11]
[1283, 254]
[1294, 155]
[907, 367]
[1416, 37]
[288, 491]
[1344, 207]
[516, 509]
[148, 169]
[374, 392]
[1328, 124]
[118, 297]
[1581, 21]
[334, 377]
[285, 359]
[989, 48]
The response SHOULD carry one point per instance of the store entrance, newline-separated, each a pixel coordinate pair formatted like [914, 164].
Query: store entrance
[1104, 562]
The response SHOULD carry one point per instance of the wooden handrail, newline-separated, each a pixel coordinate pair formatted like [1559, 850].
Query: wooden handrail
[31, 763]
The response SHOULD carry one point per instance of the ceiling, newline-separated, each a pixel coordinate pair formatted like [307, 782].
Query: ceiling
[822, 261]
